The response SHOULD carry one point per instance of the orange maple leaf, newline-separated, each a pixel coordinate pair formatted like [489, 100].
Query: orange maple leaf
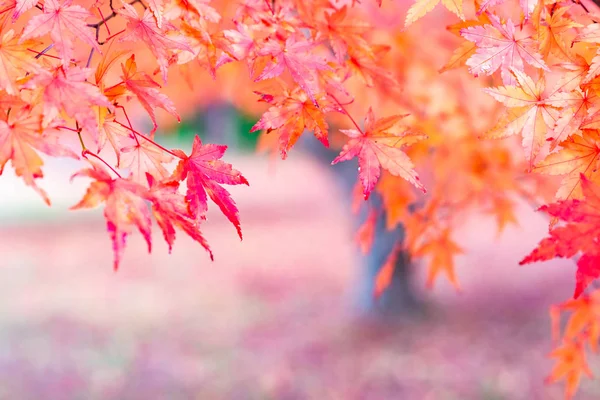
[577, 157]
[441, 250]
[21, 137]
[570, 365]
[531, 112]
[290, 116]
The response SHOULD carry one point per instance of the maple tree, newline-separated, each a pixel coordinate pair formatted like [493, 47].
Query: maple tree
[76, 75]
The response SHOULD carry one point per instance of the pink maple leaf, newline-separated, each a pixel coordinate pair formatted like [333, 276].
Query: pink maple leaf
[501, 46]
[64, 22]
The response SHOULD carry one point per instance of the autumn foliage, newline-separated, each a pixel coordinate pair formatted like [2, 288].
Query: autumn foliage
[420, 107]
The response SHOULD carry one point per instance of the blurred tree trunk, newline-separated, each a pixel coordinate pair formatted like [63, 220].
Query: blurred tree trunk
[400, 299]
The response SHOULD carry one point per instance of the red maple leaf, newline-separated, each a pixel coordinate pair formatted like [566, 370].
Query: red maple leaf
[125, 207]
[160, 41]
[204, 172]
[376, 147]
[171, 210]
[64, 22]
[580, 234]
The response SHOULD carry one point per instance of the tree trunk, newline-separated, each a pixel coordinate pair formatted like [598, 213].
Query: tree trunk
[400, 298]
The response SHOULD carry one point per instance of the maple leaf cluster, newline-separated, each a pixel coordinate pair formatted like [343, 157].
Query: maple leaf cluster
[543, 67]
[95, 80]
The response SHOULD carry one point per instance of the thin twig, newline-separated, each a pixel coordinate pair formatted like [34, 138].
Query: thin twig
[146, 138]
[87, 152]
[129, 122]
[346, 112]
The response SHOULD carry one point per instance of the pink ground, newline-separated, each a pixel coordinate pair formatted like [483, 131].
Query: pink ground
[272, 317]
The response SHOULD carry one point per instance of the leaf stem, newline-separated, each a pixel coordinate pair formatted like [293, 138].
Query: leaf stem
[104, 19]
[47, 49]
[89, 60]
[346, 112]
[7, 9]
[110, 37]
[146, 138]
[67, 128]
[129, 122]
[86, 152]
[268, 3]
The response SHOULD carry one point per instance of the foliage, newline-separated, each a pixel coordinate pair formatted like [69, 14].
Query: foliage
[82, 74]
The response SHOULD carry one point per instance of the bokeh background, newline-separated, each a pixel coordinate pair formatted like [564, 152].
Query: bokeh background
[276, 316]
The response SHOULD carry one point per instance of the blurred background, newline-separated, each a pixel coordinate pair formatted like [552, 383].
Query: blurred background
[280, 315]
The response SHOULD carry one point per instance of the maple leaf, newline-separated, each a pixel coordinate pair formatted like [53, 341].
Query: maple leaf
[114, 133]
[551, 28]
[109, 59]
[441, 250]
[201, 42]
[236, 44]
[192, 9]
[378, 148]
[460, 56]
[64, 22]
[204, 171]
[290, 116]
[576, 107]
[22, 6]
[466, 49]
[367, 67]
[171, 210]
[158, 8]
[144, 157]
[594, 69]
[344, 32]
[501, 46]
[124, 209]
[580, 234]
[145, 89]
[366, 232]
[68, 91]
[578, 156]
[15, 60]
[503, 209]
[584, 318]
[570, 366]
[384, 276]
[158, 40]
[422, 7]
[589, 34]
[396, 196]
[21, 137]
[531, 112]
[293, 55]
